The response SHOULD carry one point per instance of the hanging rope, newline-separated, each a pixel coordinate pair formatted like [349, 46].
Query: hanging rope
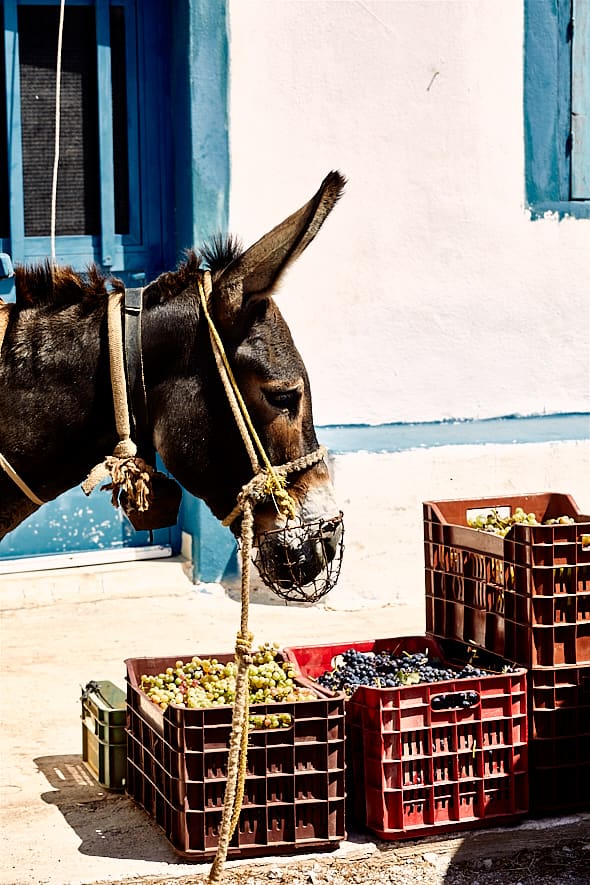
[237, 760]
[128, 473]
[57, 128]
[268, 482]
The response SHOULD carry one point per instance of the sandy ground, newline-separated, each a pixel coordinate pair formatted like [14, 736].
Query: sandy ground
[61, 629]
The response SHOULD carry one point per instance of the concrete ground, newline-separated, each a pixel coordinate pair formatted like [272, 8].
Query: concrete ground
[61, 629]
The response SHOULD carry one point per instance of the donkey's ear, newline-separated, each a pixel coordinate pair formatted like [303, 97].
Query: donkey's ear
[260, 267]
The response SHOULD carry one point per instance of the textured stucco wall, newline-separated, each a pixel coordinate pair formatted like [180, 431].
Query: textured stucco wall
[429, 294]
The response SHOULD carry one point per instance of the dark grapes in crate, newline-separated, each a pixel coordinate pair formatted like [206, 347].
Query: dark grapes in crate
[385, 669]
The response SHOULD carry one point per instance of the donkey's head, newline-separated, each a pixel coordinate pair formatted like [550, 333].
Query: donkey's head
[274, 385]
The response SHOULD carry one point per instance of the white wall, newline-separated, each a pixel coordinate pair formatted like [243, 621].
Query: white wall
[429, 293]
[381, 496]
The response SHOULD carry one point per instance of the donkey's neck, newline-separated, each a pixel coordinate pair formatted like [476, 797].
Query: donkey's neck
[56, 411]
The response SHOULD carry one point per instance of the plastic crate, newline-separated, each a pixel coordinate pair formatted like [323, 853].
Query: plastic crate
[294, 796]
[559, 729]
[525, 597]
[104, 714]
[416, 769]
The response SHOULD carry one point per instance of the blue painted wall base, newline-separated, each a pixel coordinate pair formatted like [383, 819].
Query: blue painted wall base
[213, 546]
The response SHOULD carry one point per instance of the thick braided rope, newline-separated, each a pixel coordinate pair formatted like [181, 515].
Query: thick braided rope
[238, 746]
[270, 481]
[125, 447]
[125, 469]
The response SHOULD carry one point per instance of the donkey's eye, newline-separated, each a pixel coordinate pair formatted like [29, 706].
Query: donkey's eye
[286, 399]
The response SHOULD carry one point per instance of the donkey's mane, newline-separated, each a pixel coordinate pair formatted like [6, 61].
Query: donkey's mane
[215, 256]
[46, 285]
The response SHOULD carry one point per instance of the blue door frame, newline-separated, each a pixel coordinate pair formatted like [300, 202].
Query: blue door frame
[176, 58]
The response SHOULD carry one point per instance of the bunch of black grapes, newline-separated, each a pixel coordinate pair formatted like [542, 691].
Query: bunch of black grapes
[385, 670]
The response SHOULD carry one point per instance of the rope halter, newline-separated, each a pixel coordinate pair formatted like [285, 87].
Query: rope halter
[270, 481]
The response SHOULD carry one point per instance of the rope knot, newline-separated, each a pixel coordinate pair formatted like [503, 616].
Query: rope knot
[264, 484]
[125, 448]
[276, 488]
[130, 478]
[244, 646]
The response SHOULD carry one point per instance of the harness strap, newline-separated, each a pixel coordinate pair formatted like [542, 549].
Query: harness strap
[138, 410]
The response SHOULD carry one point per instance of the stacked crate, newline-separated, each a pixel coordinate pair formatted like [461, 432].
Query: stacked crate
[525, 597]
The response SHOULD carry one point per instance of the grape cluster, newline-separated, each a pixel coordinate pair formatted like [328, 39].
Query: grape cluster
[207, 682]
[495, 524]
[385, 670]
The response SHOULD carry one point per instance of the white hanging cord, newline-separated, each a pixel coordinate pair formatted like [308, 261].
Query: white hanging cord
[57, 127]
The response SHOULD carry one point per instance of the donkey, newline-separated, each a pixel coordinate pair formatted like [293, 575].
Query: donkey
[57, 418]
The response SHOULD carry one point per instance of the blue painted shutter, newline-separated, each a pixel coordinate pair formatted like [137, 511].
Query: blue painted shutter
[113, 195]
[580, 125]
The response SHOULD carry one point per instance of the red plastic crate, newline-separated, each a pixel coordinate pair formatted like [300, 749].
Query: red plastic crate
[525, 597]
[415, 770]
[294, 796]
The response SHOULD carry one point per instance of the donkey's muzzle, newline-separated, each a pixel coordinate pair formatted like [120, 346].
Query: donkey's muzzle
[301, 562]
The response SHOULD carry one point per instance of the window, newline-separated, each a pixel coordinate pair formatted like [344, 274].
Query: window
[110, 193]
[557, 106]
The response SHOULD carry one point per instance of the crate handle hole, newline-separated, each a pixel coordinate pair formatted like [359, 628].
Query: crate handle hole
[456, 700]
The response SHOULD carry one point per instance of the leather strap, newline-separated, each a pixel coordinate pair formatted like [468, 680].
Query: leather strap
[133, 305]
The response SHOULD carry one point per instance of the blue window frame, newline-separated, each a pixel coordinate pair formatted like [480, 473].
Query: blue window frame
[556, 106]
[114, 180]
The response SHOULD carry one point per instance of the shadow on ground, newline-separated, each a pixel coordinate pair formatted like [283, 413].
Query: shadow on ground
[108, 823]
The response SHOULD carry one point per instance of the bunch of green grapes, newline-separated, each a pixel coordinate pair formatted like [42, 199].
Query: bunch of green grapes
[495, 524]
[207, 682]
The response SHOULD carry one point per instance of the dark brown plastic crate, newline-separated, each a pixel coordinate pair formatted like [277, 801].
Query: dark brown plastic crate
[294, 794]
[525, 597]
[559, 730]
